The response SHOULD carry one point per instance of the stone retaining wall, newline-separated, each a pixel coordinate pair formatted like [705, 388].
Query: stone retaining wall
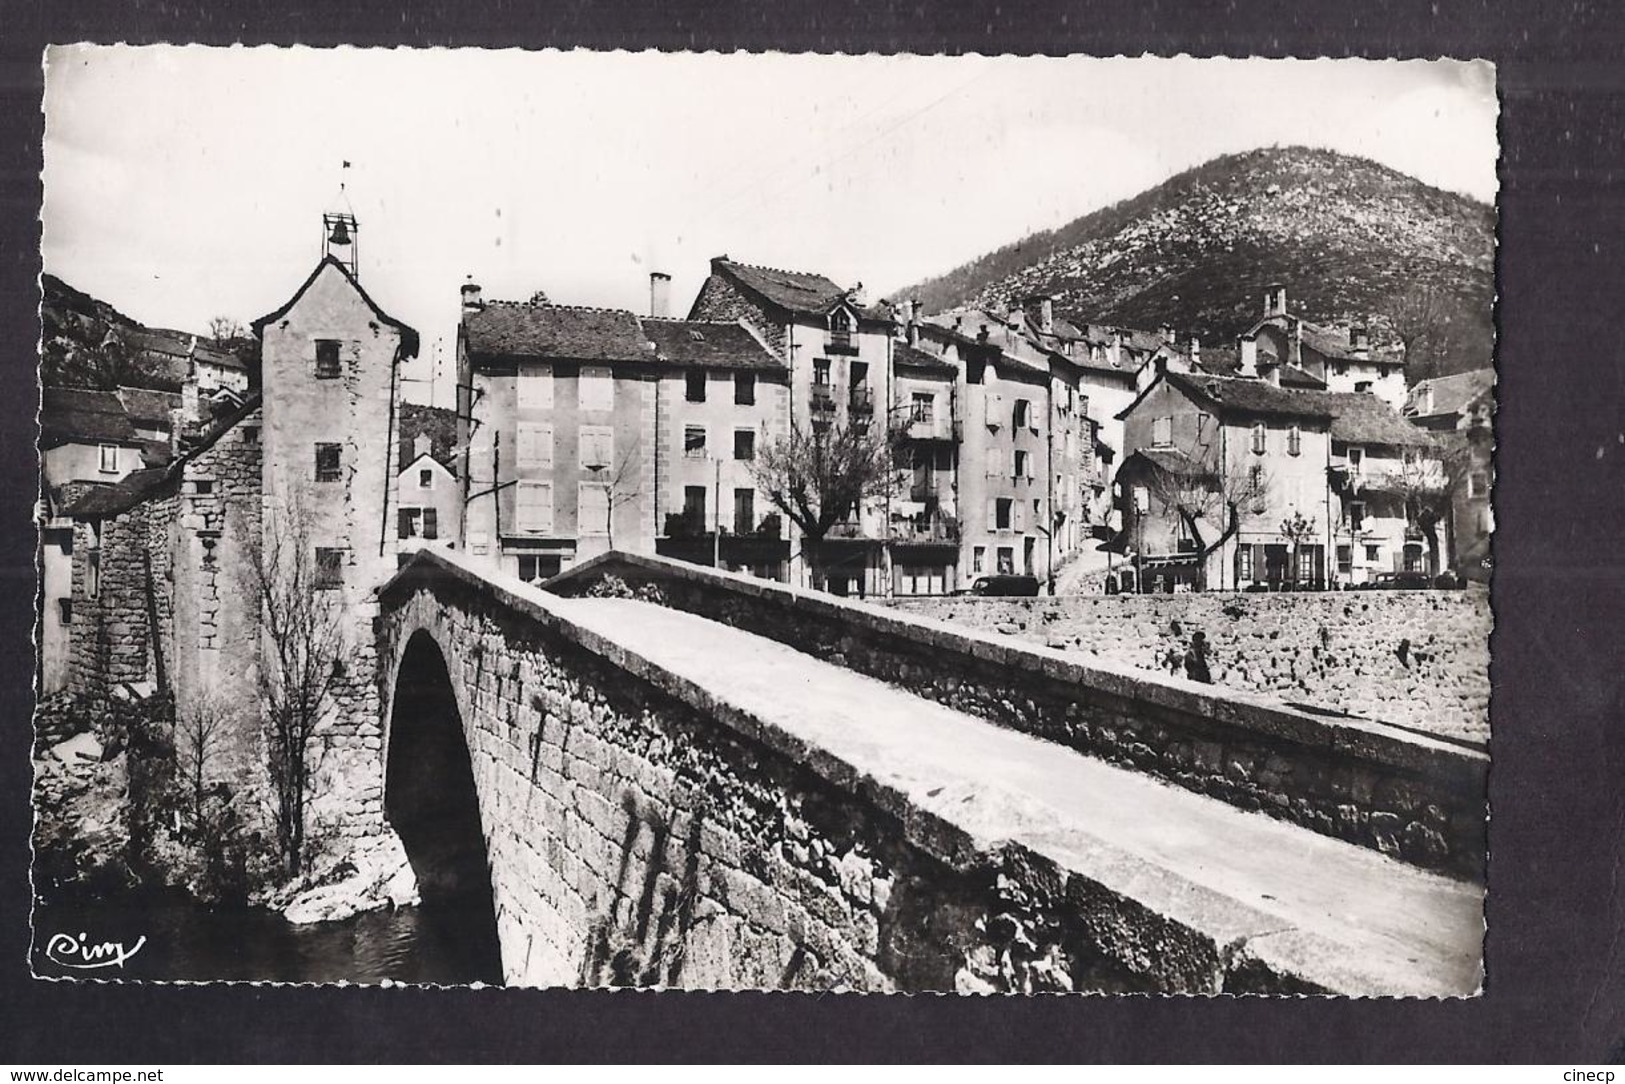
[1371, 784]
[1412, 658]
[640, 832]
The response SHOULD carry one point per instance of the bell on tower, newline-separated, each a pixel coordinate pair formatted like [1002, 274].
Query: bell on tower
[339, 232]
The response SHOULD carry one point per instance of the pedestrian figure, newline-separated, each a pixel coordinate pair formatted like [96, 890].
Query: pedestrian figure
[1196, 659]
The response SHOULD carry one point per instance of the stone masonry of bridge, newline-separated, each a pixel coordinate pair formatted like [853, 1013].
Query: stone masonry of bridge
[1405, 794]
[668, 800]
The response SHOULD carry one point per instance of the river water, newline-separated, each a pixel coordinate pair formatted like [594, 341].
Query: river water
[188, 940]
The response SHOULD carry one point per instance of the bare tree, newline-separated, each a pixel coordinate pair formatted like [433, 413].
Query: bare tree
[622, 482]
[200, 731]
[1427, 480]
[225, 331]
[1298, 529]
[1207, 501]
[301, 616]
[820, 477]
[1420, 317]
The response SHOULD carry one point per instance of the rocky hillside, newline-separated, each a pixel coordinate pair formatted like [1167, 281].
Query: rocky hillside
[1353, 241]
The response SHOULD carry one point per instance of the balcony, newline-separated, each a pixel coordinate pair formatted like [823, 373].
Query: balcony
[862, 401]
[925, 528]
[840, 342]
[823, 398]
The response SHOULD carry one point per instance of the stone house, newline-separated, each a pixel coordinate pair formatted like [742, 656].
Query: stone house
[838, 352]
[1325, 487]
[428, 499]
[925, 515]
[1341, 360]
[300, 479]
[590, 429]
[1461, 409]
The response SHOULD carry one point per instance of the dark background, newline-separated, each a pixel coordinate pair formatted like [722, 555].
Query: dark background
[1556, 986]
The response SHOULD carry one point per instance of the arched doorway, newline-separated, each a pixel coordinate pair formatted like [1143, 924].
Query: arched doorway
[430, 801]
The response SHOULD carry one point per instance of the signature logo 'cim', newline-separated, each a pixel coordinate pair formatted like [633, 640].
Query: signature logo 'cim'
[82, 954]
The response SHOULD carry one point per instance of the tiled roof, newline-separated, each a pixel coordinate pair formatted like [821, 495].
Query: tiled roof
[156, 453]
[712, 344]
[1224, 361]
[799, 292]
[1248, 396]
[148, 405]
[1327, 342]
[1362, 418]
[913, 357]
[131, 490]
[1451, 394]
[505, 329]
[74, 415]
[439, 423]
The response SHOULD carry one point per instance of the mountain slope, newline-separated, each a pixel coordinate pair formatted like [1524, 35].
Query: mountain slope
[1354, 241]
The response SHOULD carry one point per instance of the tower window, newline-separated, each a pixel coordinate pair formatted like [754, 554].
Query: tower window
[327, 463]
[327, 359]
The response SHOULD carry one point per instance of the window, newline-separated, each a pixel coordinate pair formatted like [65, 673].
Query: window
[978, 558]
[535, 441]
[744, 444]
[1244, 564]
[596, 446]
[251, 434]
[1023, 465]
[1478, 484]
[64, 610]
[1357, 517]
[1003, 509]
[535, 386]
[1345, 559]
[1142, 500]
[328, 466]
[108, 458]
[426, 478]
[1371, 554]
[1162, 432]
[1007, 560]
[745, 388]
[1257, 484]
[1020, 515]
[922, 407]
[533, 569]
[821, 371]
[694, 441]
[744, 511]
[203, 486]
[1258, 438]
[592, 509]
[327, 359]
[694, 385]
[597, 388]
[1356, 459]
[1294, 440]
[407, 522]
[431, 523]
[329, 568]
[1021, 413]
[1362, 385]
[533, 507]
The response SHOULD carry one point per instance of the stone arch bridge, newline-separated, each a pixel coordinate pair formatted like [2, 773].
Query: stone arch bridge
[658, 774]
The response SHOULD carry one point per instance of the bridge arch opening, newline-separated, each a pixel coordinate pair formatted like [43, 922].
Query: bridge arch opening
[430, 800]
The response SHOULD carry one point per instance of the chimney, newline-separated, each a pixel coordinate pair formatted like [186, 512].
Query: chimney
[471, 297]
[422, 445]
[1169, 336]
[1272, 376]
[1046, 314]
[189, 403]
[911, 317]
[1249, 357]
[659, 294]
[1196, 351]
[1275, 299]
[1115, 351]
[858, 296]
[1360, 341]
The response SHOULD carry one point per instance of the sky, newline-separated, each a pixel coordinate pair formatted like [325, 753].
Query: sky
[184, 183]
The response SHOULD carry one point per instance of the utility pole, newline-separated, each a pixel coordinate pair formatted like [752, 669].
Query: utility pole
[716, 534]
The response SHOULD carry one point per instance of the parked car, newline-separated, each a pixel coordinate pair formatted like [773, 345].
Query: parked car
[1005, 585]
[1400, 581]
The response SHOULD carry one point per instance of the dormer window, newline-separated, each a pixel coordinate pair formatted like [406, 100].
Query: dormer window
[840, 327]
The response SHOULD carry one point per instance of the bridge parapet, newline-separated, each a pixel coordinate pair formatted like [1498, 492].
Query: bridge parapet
[1413, 796]
[649, 826]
